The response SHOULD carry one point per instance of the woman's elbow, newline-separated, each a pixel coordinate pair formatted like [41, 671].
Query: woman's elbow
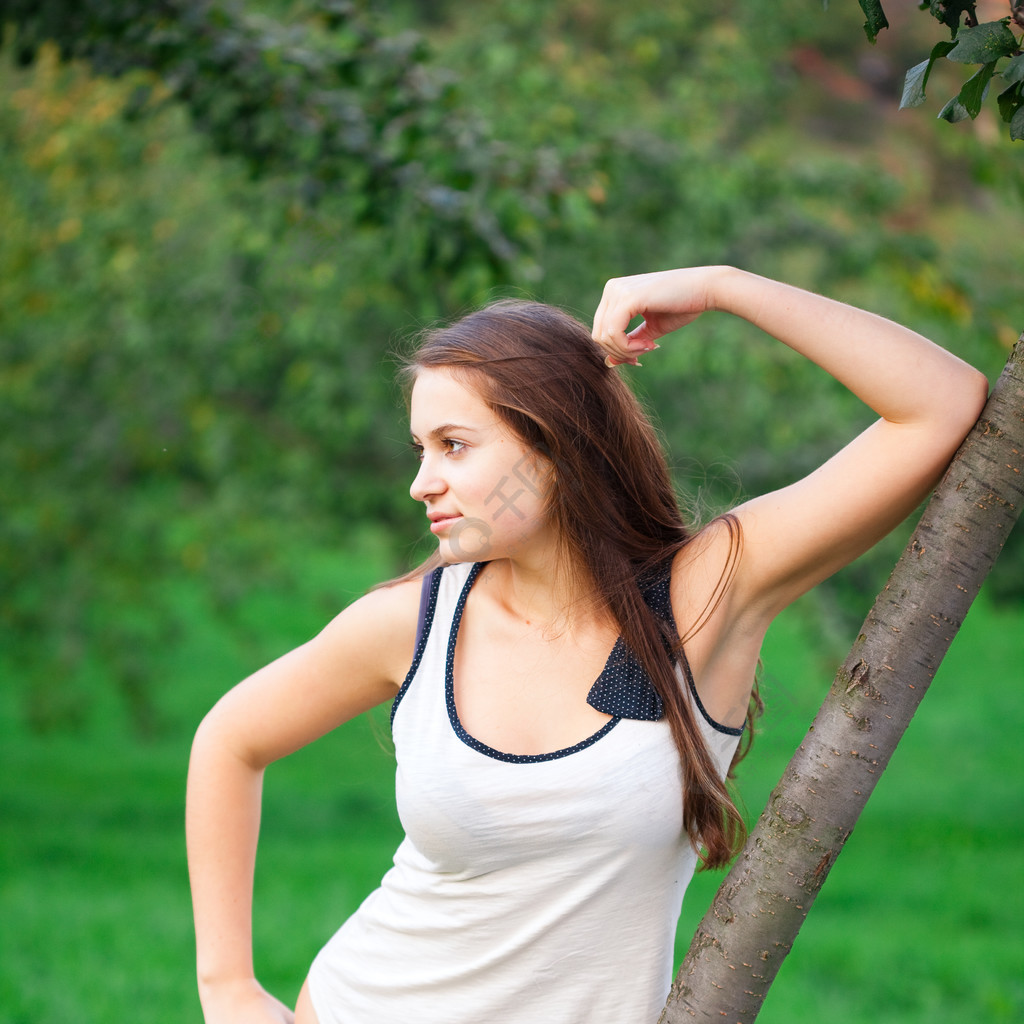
[221, 734]
[960, 403]
[975, 396]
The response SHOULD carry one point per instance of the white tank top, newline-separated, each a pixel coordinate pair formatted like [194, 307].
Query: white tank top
[529, 888]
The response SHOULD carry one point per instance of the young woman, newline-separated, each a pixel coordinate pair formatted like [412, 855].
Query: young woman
[571, 672]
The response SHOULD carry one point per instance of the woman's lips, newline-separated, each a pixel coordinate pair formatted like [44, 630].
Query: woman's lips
[442, 522]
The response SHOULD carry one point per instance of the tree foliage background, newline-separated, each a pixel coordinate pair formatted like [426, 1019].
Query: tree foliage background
[219, 220]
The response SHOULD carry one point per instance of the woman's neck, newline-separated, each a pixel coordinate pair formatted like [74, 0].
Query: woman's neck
[553, 596]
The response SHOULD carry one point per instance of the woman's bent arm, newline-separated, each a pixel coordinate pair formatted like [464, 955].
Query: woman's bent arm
[926, 397]
[793, 538]
[358, 661]
[222, 824]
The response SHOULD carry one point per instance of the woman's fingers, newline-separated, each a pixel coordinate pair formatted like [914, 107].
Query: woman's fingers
[611, 328]
[666, 300]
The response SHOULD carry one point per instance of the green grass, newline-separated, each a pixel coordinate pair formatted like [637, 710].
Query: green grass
[919, 920]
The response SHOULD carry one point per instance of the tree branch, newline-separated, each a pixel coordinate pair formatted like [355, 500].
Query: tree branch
[762, 903]
[331, 102]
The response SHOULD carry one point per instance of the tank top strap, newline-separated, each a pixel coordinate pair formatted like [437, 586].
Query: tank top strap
[440, 594]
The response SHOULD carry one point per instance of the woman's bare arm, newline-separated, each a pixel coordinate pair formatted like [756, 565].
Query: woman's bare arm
[926, 399]
[357, 662]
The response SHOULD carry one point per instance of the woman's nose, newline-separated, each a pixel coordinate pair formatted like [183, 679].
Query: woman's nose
[427, 482]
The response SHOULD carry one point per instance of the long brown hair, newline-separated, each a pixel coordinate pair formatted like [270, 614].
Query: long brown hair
[611, 498]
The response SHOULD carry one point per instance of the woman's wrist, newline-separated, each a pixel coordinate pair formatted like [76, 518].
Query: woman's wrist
[729, 289]
[224, 983]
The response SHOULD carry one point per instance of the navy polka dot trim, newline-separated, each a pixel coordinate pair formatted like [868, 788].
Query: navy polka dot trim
[453, 715]
[624, 688]
[428, 603]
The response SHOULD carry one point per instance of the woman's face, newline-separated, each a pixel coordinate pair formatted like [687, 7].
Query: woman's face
[485, 492]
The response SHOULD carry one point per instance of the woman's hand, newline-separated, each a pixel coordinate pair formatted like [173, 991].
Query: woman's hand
[243, 1002]
[667, 300]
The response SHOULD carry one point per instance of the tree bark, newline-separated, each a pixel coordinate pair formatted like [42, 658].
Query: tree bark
[762, 903]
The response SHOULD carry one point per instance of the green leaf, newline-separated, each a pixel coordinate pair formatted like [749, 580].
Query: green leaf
[914, 83]
[917, 76]
[1010, 102]
[876, 18]
[974, 89]
[1017, 125]
[950, 11]
[1014, 71]
[954, 111]
[983, 43]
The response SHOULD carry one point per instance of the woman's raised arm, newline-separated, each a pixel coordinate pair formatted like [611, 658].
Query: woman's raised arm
[926, 397]
[357, 662]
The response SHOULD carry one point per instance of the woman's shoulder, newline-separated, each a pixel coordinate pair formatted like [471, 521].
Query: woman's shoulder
[380, 627]
[394, 606]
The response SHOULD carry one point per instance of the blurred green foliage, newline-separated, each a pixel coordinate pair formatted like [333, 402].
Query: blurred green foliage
[328, 100]
[993, 46]
[202, 271]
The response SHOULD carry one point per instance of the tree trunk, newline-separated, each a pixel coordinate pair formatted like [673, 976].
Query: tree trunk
[762, 903]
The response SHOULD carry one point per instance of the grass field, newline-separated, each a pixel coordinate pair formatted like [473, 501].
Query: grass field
[920, 921]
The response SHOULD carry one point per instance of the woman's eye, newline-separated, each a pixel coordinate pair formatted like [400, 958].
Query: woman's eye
[449, 445]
